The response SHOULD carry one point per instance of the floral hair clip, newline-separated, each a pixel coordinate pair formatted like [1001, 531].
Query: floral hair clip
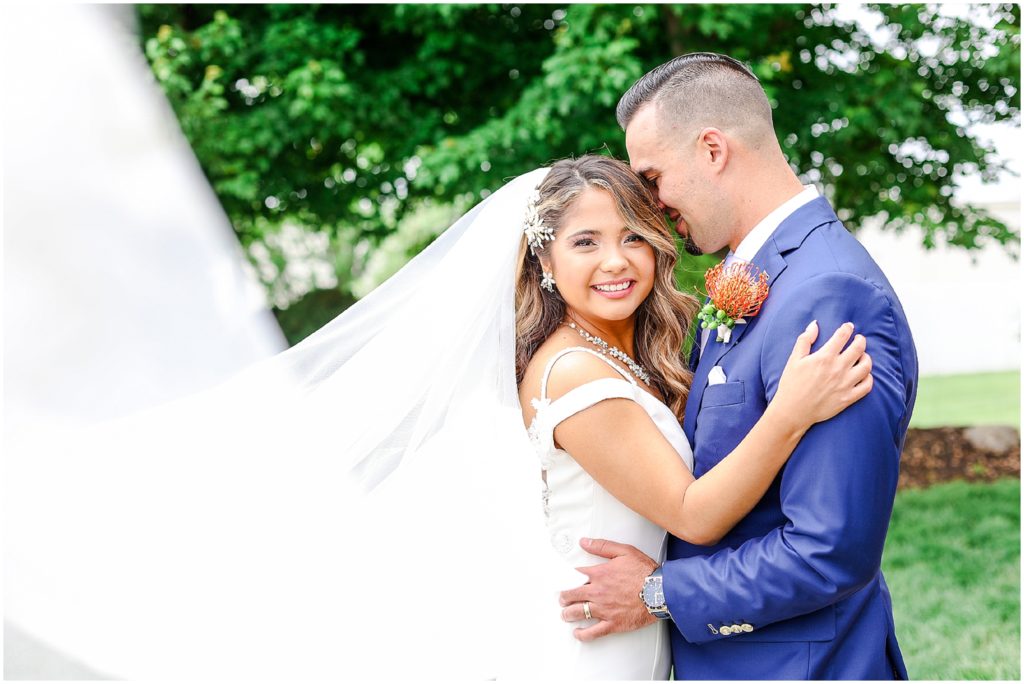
[536, 232]
[737, 292]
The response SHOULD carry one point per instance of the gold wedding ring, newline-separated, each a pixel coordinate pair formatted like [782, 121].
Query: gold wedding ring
[586, 610]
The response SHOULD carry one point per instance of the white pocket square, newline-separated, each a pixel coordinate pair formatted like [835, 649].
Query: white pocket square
[717, 376]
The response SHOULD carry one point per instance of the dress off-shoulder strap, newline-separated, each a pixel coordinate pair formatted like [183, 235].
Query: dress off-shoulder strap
[563, 352]
[551, 413]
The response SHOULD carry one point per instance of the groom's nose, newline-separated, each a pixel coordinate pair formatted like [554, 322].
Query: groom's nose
[670, 214]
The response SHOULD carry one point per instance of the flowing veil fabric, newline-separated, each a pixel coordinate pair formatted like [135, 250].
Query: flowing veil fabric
[365, 504]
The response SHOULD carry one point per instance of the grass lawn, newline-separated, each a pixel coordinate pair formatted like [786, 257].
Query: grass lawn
[974, 399]
[952, 562]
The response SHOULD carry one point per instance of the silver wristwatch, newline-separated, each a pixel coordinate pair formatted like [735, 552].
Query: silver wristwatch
[654, 597]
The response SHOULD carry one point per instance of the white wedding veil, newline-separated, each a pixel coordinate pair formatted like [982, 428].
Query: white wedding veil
[365, 504]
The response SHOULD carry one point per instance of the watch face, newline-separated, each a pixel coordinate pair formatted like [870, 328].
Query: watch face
[654, 597]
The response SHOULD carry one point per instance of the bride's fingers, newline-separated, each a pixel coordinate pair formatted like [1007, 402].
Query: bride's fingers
[802, 346]
[839, 339]
[852, 353]
[861, 389]
[861, 370]
[864, 387]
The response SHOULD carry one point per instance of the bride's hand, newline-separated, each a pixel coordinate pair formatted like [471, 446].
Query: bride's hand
[815, 387]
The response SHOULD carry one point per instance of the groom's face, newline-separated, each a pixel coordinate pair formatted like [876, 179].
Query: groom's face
[671, 176]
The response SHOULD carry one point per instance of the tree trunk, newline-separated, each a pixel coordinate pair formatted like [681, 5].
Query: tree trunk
[674, 30]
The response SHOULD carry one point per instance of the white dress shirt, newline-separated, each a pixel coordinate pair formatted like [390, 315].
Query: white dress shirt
[755, 239]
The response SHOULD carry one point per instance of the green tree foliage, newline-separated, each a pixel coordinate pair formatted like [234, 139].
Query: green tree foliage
[347, 120]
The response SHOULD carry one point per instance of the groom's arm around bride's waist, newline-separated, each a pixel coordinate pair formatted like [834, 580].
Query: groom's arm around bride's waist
[836, 492]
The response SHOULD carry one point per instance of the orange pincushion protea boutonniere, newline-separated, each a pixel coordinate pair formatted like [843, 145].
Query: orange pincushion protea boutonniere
[736, 292]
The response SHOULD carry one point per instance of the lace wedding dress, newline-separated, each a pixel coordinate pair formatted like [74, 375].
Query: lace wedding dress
[576, 506]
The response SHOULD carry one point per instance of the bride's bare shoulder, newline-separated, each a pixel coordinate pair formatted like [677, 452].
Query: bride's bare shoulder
[569, 372]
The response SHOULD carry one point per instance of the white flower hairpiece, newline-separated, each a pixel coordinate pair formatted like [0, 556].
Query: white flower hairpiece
[536, 232]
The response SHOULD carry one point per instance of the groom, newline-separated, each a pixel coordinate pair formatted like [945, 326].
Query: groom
[794, 591]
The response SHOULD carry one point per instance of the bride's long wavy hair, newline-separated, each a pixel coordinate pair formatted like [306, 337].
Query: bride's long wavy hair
[662, 319]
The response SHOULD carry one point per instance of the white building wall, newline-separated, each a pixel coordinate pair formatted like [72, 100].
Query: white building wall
[947, 292]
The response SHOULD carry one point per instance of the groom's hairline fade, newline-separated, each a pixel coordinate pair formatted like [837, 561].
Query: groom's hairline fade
[727, 91]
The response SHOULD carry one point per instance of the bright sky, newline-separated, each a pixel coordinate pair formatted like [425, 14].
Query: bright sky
[1006, 137]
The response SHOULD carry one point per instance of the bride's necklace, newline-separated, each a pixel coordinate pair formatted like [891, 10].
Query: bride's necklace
[605, 348]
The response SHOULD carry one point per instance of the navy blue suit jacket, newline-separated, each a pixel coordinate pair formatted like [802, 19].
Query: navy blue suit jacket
[802, 569]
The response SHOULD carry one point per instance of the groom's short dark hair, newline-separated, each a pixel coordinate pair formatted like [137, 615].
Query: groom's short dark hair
[707, 85]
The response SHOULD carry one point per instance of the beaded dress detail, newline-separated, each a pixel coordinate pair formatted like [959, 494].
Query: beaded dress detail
[577, 506]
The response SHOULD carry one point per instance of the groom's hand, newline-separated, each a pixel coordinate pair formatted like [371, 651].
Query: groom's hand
[613, 591]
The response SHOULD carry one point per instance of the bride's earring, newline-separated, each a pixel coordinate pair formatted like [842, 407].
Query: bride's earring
[548, 281]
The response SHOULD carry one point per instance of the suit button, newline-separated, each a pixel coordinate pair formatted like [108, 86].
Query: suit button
[725, 630]
[747, 627]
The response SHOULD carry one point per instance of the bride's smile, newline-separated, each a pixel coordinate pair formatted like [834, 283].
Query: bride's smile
[617, 289]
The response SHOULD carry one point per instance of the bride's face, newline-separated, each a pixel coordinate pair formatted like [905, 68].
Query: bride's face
[602, 269]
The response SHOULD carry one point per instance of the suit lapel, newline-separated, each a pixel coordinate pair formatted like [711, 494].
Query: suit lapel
[700, 379]
[769, 261]
[770, 258]
[695, 349]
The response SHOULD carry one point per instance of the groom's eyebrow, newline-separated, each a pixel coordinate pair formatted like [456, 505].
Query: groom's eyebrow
[644, 171]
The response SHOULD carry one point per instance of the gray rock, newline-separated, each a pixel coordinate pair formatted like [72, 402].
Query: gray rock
[997, 438]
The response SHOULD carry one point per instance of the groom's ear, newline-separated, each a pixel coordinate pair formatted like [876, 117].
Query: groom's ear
[713, 147]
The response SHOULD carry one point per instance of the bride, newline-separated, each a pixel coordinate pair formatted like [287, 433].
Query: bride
[367, 503]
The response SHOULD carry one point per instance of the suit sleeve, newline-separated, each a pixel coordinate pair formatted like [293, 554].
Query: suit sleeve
[836, 491]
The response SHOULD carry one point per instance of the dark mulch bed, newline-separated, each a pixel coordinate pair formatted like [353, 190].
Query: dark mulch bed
[976, 454]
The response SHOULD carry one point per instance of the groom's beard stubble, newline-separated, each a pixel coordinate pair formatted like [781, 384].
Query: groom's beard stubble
[687, 243]
[691, 247]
